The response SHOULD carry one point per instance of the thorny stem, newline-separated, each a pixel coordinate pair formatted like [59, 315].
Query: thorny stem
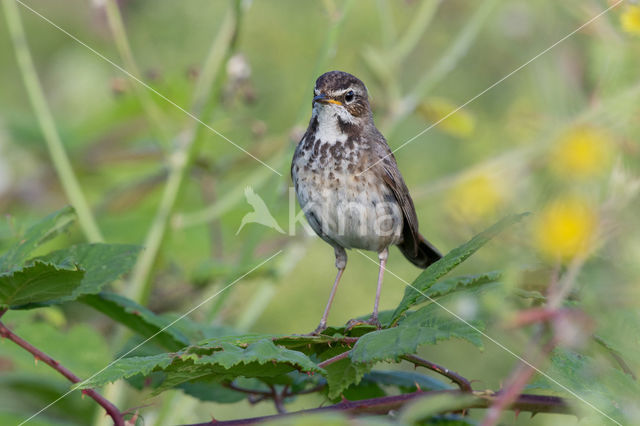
[383, 405]
[462, 382]
[516, 383]
[111, 409]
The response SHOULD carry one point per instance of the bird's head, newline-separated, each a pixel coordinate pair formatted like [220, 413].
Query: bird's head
[340, 95]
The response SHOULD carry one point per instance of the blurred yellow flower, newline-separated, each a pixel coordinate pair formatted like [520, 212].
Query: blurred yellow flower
[581, 152]
[630, 19]
[476, 197]
[565, 228]
[460, 123]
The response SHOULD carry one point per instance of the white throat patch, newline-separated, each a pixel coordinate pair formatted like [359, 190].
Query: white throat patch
[328, 129]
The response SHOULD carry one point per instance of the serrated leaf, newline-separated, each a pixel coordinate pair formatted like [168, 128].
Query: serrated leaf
[604, 388]
[128, 367]
[102, 263]
[427, 325]
[43, 230]
[453, 284]
[226, 361]
[137, 318]
[343, 373]
[452, 259]
[39, 282]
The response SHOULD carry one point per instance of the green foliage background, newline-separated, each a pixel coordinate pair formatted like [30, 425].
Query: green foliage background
[419, 61]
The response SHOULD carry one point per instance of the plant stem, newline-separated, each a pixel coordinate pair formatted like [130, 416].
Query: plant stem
[383, 405]
[180, 160]
[423, 17]
[59, 157]
[114, 19]
[462, 382]
[111, 409]
[336, 358]
[443, 66]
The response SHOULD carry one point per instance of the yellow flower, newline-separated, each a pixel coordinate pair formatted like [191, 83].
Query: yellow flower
[630, 20]
[476, 198]
[565, 228]
[459, 123]
[581, 152]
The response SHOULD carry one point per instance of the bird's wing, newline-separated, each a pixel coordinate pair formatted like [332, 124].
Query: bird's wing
[391, 176]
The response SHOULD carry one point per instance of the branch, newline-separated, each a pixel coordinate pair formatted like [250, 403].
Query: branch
[39, 355]
[462, 382]
[336, 358]
[382, 405]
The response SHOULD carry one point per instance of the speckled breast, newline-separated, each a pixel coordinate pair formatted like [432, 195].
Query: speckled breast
[345, 204]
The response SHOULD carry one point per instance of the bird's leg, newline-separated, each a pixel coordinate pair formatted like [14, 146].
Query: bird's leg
[341, 263]
[382, 256]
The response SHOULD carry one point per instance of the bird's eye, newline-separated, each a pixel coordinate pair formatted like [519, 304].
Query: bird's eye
[348, 97]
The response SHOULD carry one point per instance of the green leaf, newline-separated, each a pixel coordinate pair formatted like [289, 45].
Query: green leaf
[137, 318]
[213, 392]
[226, 361]
[102, 263]
[429, 324]
[406, 380]
[45, 229]
[452, 259]
[343, 373]
[39, 282]
[598, 383]
[620, 333]
[451, 285]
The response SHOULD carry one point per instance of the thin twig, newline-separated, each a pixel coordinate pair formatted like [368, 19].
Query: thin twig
[336, 358]
[155, 116]
[111, 409]
[462, 382]
[277, 400]
[382, 405]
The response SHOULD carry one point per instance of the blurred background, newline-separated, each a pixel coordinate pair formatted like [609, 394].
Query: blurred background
[558, 138]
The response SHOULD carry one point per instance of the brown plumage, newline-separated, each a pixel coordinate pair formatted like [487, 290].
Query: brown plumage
[348, 183]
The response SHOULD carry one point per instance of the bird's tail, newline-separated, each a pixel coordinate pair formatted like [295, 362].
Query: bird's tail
[423, 256]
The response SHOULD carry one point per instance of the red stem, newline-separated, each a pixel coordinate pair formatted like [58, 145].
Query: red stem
[39, 355]
[382, 405]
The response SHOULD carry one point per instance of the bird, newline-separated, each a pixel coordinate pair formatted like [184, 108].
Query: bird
[260, 213]
[348, 184]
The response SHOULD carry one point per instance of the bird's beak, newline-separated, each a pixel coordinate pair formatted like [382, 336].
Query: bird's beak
[323, 99]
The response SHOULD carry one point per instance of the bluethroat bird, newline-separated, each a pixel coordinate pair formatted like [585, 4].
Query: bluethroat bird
[348, 183]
